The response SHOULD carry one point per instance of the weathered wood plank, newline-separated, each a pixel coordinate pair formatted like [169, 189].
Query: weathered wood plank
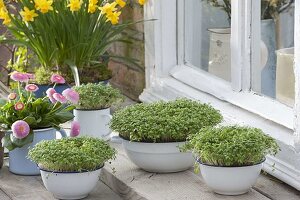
[275, 188]
[22, 187]
[130, 180]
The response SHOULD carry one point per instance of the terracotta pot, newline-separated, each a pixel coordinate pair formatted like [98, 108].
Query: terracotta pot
[1, 149]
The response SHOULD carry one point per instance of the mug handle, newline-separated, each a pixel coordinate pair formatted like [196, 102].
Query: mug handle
[62, 132]
[108, 117]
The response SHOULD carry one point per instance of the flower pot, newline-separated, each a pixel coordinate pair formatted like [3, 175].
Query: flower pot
[43, 88]
[70, 185]
[94, 123]
[18, 161]
[158, 157]
[220, 53]
[230, 180]
[285, 77]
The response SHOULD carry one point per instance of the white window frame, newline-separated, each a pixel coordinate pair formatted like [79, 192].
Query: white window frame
[167, 77]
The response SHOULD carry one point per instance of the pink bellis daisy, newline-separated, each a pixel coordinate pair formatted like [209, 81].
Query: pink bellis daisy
[20, 129]
[75, 129]
[56, 78]
[50, 93]
[60, 98]
[18, 76]
[31, 88]
[12, 96]
[71, 95]
[19, 106]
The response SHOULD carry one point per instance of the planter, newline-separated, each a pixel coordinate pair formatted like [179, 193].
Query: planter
[158, 157]
[220, 53]
[94, 123]
[43, 88]
[18, 161]
[70, 185]
[285, 77]
[230, 180]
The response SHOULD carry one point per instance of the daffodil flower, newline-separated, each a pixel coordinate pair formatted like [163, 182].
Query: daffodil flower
[75, 5]
[28, 15]
[43, 5]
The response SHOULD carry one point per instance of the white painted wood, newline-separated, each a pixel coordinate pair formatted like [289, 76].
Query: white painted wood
[255, 75]
[260, 105]
[297, 76]
[149, 14]
[165, 36]
[237, 42]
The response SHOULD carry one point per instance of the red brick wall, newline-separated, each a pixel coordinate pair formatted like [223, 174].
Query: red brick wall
[130, 79]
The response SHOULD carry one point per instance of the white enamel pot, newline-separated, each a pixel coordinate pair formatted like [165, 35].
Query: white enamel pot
[230, 180]
[70, 185]
[94, 123]
[158, 157]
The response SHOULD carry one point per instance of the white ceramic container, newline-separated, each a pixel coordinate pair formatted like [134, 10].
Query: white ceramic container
[285, 78]
[70, 185]
[158, 157]
[220, 53]
[230, 180]
[94, 123]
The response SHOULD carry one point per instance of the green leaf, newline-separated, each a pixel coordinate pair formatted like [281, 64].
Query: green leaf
[30, 120]
[22, 142]
[7, 143]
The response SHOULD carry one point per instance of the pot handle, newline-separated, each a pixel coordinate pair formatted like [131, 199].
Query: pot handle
[62, 133]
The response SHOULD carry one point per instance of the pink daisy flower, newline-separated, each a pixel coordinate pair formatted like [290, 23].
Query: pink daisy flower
[18, 76]
[71, 95]
[12, 96]
[50, 93]
[75, 129]
[60, 98]
[30, 76]
[20, 129]
[19, 106]
[31, 88]
[56, 78]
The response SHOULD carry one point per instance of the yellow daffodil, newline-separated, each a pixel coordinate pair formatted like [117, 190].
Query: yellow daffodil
[121, 3]
[94, 2]
[108, 8]
[113, 17]
[6, 20]
[75, 5]
[92, 8]
[28, 15]
[43, 5]
[2, 4]
[142, 2]
[4, 16]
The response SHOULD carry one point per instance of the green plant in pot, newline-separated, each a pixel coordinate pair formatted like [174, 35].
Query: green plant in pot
[69, 34]
[70, 167]
[93, 109]
[230, 157]
[153, 132]
[28, 120]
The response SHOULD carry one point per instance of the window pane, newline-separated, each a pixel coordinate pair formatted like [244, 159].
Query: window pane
[207, 37]
[274, 77]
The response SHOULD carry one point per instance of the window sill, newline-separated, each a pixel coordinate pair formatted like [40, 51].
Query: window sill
[265, 107]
